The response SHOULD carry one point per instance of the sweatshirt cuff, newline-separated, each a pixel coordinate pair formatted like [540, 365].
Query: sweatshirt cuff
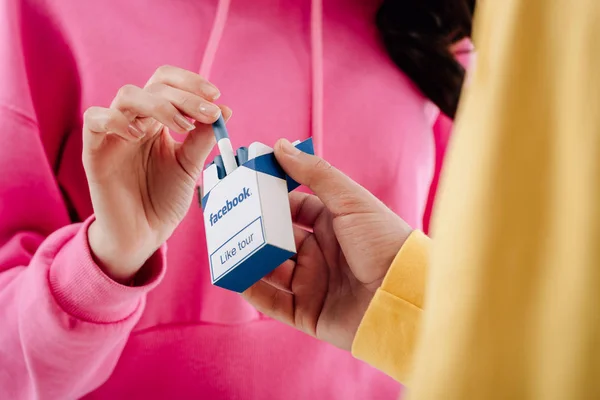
[388, 332]
[84, 291]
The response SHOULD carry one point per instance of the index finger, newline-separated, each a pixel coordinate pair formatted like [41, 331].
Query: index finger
[185, 80]
[305, 208]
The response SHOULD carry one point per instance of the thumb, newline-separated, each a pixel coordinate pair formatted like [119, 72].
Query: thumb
[340, 194]
[197, 146]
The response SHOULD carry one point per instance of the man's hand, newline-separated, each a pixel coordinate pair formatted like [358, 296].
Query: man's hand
[346, 240]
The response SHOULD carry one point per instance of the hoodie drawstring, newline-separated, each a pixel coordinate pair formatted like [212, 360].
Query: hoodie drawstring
[316, 50]
[214, 39]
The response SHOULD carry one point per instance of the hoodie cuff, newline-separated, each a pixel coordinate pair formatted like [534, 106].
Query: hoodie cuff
[84, 291]
[388, 332]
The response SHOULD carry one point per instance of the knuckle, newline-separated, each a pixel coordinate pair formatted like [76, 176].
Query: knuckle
[185, 101]
[322, 166]
[163, 70]
[319, 173]
[198, 84]
[89, 114]
[97, 119]
[125, 91]
[162, 107]
[154, 87]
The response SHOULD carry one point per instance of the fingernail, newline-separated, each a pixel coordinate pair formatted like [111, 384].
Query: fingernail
[184, 123]
[212, 92]
[134, 130]
[288, 148]
[210, 110]
[229, 114]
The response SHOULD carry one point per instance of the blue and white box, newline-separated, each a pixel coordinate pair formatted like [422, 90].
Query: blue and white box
[248, 221]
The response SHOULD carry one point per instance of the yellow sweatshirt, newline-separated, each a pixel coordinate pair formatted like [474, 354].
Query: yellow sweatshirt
[513, 288]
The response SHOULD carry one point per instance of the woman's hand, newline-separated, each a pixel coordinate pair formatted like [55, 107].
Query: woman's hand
[141, 180]
[348, 244]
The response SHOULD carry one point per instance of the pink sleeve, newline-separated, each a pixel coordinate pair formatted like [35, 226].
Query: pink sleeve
[442, 130]
[63, 323]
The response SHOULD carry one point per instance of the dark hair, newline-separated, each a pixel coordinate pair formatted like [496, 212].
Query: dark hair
[418, 34]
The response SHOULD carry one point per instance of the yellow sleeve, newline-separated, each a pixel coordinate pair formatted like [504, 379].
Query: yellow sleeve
[513, 296]
[513, 292]
[387, 334]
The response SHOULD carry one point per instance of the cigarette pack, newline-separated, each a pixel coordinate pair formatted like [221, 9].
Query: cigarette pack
[248, 221]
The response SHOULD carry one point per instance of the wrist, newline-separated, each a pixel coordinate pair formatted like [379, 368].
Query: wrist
[388, 332]
[383, 253]
[387, 256]
[407, 275]
[120, 263]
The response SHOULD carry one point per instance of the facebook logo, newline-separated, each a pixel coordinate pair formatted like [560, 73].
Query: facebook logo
[230, 205]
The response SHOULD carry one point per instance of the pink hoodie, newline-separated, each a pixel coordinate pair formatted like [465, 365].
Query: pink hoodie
[68, 331]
